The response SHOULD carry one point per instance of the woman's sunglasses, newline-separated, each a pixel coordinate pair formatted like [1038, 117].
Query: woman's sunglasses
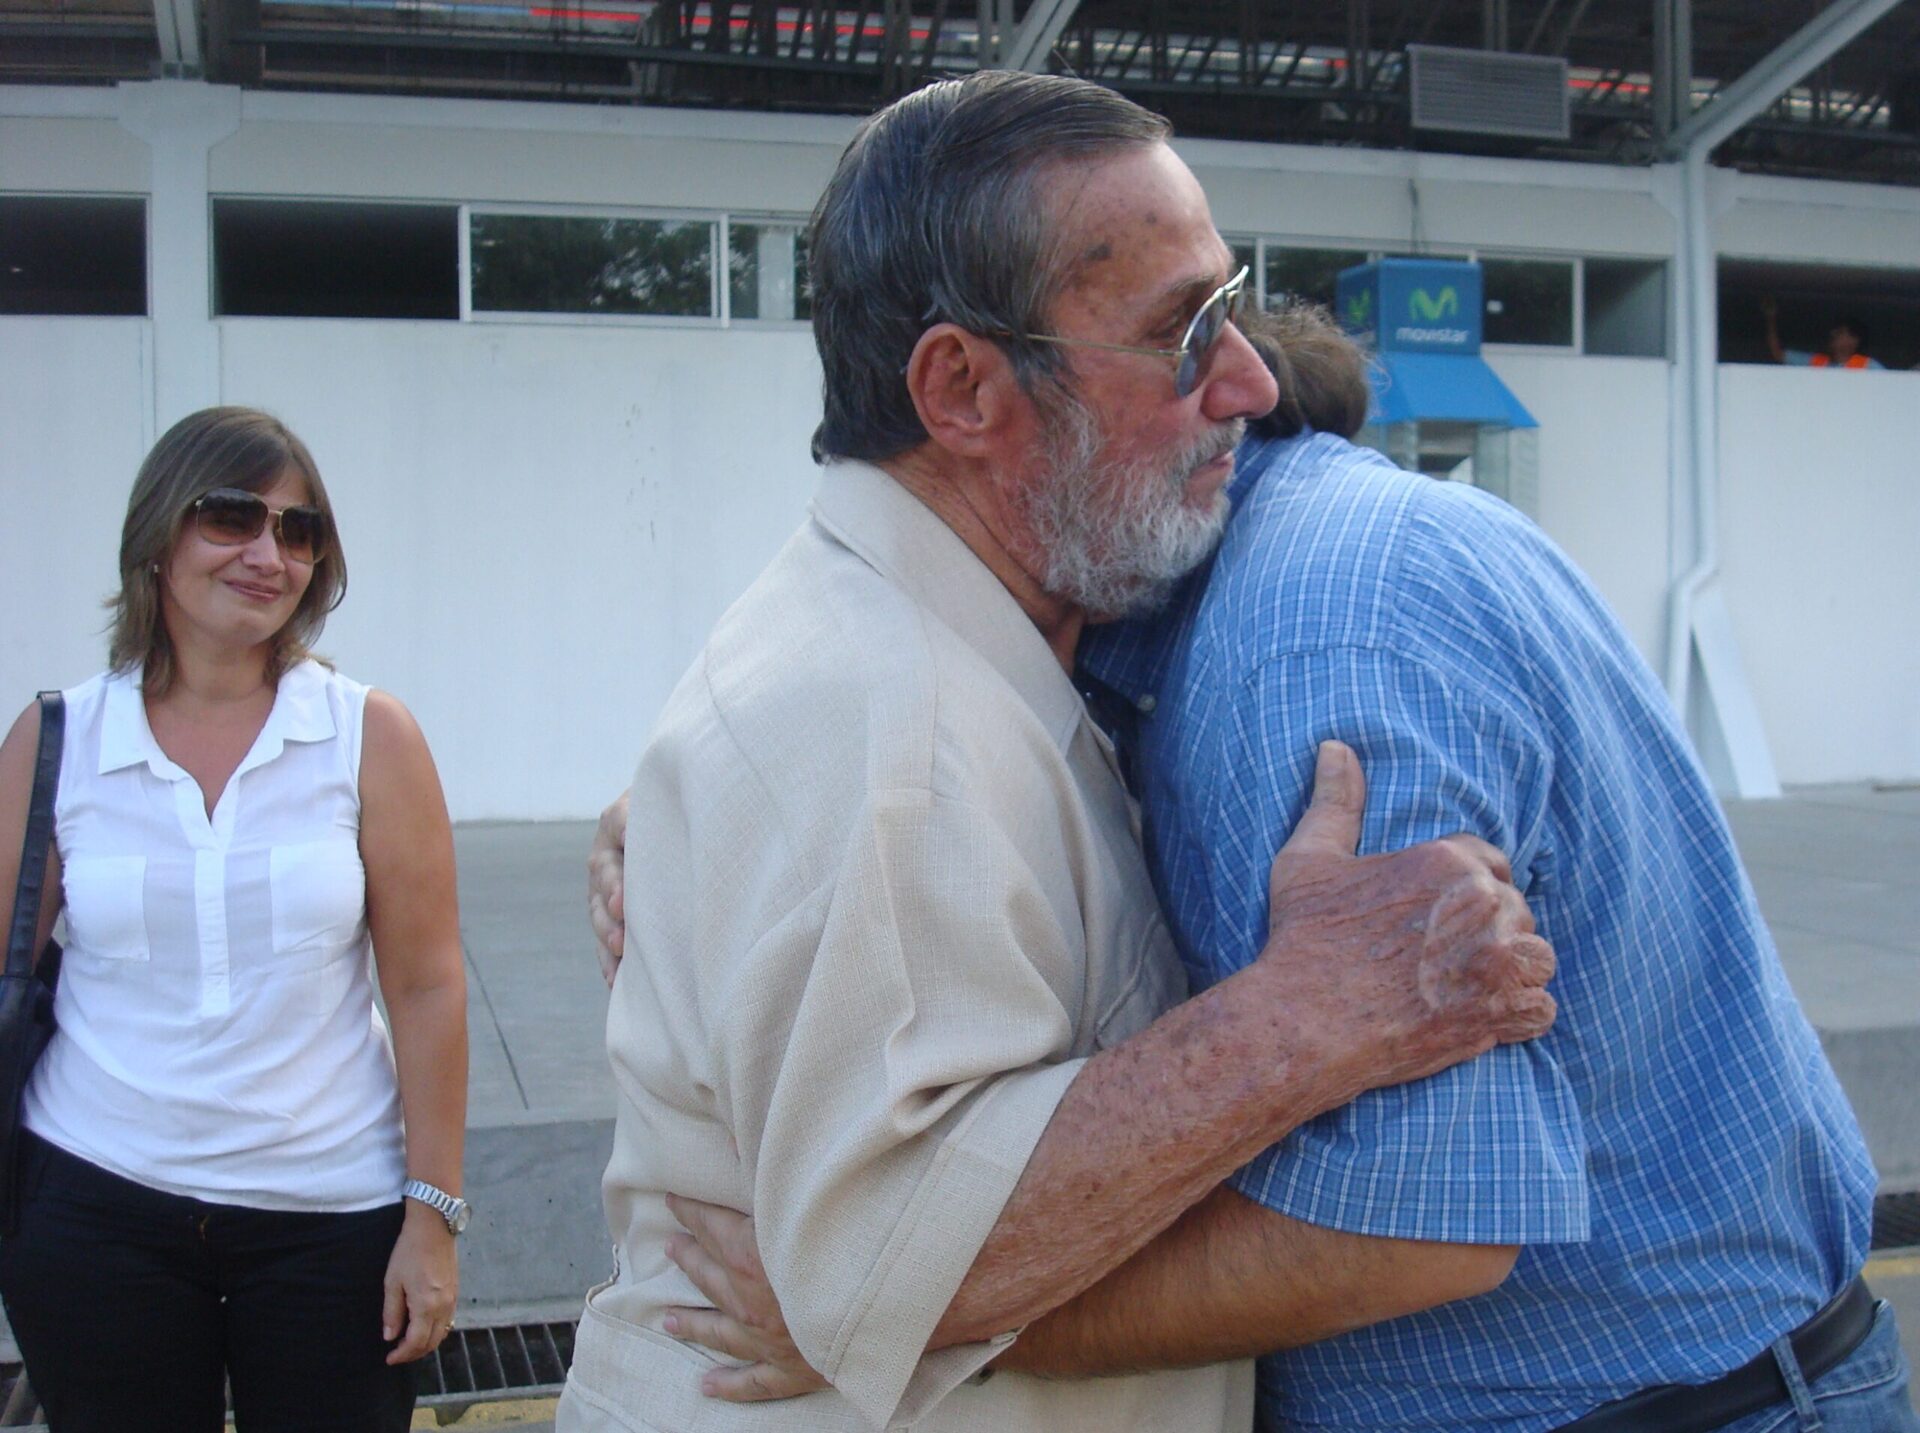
[233, 517]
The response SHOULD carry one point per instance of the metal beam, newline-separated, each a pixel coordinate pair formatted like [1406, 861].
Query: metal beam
[1495, 25]
[1540, 25]
[1672, 66]
[1747, 97]
[1568, 30]
[996, 34]
[1039, 33]
[509, 45]
[177, 25]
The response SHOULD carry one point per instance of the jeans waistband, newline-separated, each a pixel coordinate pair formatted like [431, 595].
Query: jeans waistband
[1818, 1345]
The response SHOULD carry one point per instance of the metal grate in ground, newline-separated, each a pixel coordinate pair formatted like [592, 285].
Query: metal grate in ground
[1896, 1221]
[474, 1365]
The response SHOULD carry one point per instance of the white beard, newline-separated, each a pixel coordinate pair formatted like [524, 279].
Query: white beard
[1118, 535]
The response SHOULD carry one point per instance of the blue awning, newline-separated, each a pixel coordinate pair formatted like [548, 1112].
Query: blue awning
[1460, 388]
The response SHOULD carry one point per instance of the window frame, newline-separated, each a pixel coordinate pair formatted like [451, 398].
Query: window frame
[718, 295]
[1470, 253]
[250, 196]
[719, 223]
[1578, 347]
[766, 220]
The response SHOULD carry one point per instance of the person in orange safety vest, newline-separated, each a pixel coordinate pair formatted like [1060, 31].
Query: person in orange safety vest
[1846, 343]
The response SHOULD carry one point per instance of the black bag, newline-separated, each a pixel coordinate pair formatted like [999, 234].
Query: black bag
[26, 989]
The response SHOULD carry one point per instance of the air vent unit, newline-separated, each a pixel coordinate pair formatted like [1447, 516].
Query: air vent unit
[1487, 92]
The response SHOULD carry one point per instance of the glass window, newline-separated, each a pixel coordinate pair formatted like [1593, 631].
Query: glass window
[1307, 273]
[1626, 304]
[544, 263]
[306, 259]
[72, 256]
[1246, 254]
[1529, 301]
[767, 271]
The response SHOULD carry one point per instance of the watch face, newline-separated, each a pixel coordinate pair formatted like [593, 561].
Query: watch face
[462, 1212]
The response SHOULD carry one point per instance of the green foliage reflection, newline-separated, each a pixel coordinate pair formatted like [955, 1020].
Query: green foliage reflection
[537, 263]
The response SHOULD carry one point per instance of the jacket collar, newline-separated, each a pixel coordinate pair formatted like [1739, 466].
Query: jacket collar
[900, 537]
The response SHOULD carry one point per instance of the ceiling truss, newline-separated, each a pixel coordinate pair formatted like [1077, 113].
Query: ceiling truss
[1301, 71]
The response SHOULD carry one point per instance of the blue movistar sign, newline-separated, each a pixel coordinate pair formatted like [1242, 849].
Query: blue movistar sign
[1413, 305]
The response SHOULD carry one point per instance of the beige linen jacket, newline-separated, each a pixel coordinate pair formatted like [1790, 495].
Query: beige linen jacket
[884, 895]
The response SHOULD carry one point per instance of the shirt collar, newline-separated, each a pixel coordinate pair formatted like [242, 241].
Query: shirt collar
[908, 543]
[300, 713]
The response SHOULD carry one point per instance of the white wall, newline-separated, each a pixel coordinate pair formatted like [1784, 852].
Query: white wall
[73, 427]
[1820, 492]
[1603, 485]
[544, 520]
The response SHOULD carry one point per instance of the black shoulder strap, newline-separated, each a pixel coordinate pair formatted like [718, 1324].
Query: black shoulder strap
[33, 851]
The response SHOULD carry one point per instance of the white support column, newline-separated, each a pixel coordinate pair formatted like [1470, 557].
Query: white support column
[1725, 719]
[181, 121]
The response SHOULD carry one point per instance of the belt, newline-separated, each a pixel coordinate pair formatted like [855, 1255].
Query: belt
[1818, 1344]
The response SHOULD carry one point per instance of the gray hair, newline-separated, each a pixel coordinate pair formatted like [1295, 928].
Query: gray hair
[934, 216]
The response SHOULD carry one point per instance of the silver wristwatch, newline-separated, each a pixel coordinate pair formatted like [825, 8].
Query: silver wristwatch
[450, 1207]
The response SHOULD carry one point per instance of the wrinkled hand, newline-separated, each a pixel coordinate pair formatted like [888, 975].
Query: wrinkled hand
[606, 886]
[422, 1283]
[1400, 964]
[719, 1254]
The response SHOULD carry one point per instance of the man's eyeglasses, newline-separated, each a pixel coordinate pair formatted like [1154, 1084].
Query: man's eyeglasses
[1194, 356]
[233, 517]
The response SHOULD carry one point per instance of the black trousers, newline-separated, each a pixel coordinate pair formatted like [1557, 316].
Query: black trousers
[133, 1308]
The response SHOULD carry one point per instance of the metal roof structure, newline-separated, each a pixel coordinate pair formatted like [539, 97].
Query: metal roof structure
[1272, 70]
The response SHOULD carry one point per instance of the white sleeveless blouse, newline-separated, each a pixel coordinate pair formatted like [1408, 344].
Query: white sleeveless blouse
[217, 1031]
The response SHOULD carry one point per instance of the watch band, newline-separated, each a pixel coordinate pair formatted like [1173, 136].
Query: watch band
[450, 1207]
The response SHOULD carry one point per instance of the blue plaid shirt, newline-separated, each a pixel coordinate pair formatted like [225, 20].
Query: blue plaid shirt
[1676, 1155]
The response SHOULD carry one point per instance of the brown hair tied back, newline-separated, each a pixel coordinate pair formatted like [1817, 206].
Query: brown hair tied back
[1322, 374]
[214, 448]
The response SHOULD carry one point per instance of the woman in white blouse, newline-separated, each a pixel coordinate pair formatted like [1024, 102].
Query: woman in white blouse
[221, 1132]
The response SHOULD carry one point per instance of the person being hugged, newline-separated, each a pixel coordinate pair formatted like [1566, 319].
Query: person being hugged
[232, 1172]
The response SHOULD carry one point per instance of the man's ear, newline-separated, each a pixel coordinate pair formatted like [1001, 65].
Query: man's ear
[964, 390]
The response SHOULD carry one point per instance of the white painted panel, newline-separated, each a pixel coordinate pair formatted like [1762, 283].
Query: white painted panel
[1820, 481]
[70, 156]
[1549, 218]
[1603, 475]
[530, 166]
[542, 522]
[72, 434]
[1344, 194]
[1305, 205]
[1821, 234]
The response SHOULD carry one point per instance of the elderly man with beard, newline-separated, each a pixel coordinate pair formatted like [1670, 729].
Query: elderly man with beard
[895, 981]
[1675, 1155]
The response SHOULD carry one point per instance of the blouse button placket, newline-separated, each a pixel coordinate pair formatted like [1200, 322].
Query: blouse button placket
[209, 839]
